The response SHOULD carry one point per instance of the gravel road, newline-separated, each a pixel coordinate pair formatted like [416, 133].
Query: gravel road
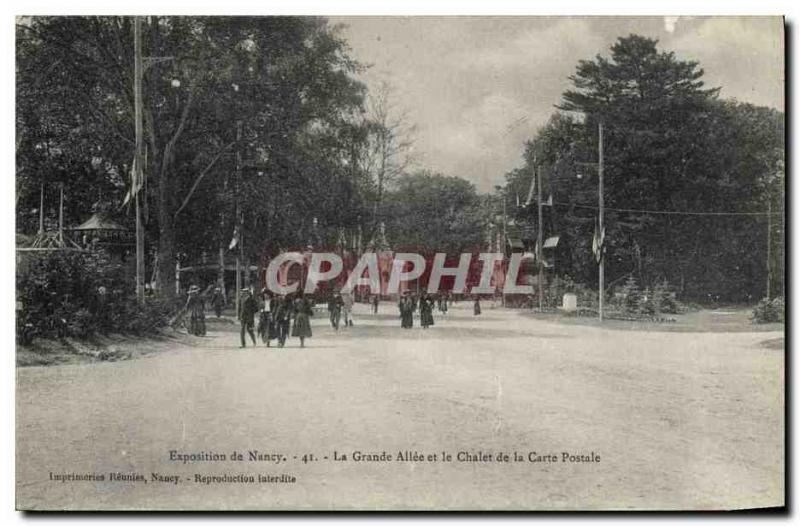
[678, 420]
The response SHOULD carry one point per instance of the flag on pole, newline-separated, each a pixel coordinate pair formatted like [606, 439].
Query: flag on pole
[136, 183]
[235, 240]
[531, 190]
[597, 242]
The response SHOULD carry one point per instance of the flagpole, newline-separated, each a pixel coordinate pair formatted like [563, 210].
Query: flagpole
[505, 241]
[600, 219]
[138, 159]
[540, 244]
[237, 219]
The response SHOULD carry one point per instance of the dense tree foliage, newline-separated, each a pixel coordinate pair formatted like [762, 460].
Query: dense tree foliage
[435, 213]
[262, 123]
[255, 115]
[671, 146]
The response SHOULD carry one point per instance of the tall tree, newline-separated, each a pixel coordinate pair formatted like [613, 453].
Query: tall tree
[670, 146]
[390, 144]
[435, 213]
[265, 91]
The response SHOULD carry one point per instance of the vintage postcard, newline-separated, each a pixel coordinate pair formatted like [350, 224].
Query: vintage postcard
[400, 263]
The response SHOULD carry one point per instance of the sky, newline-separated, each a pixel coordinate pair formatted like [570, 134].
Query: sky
[477, 87]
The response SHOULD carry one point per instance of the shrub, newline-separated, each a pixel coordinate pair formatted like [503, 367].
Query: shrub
[631, 296]
[769, 311]
[647, 304]
[664, 300]
[65, 293]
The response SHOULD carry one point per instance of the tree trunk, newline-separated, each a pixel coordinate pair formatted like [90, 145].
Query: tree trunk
[166, 234]
[166, 237]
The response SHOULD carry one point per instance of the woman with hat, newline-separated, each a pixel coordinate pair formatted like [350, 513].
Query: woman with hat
[426, 310]
[407, 307]
[302, 319]
[196, 308]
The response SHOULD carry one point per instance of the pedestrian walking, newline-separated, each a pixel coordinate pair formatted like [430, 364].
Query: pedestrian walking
[247, 312]
[426, 311]
[266, 324]
[302, 319]
[282, 319]
[406, 306]
[195, 307]
[476, 308]
[445, 300]
[217, 301]
[375, 301]
[347, 309]
[335, 303]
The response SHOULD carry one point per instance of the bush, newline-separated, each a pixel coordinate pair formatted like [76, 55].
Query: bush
[65, 293]
[647, 304]
[664, 300]
[631, 297]
[769, 311]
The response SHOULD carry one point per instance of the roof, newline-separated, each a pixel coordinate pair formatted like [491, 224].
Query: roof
[551, 242]
[97, 222]
[515, 243]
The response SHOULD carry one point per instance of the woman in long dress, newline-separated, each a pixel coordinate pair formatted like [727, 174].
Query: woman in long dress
[196, 308]
[426, 311]
[302, 320]
[406, 306]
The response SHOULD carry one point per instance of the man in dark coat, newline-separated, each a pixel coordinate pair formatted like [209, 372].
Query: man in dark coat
[266, 325]
[335, 304]
[282, 319]
[247, 312]
[217, 301]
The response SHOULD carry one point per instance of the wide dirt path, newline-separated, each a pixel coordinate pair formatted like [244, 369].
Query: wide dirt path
[679, 420]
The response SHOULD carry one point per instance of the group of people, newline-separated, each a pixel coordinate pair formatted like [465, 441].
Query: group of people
[339, 305]
[410, 302]
[279, 317]
[277, 314]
